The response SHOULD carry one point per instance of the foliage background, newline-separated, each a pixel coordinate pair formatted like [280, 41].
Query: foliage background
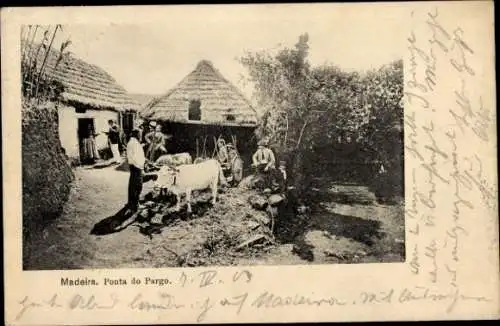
[321, 118]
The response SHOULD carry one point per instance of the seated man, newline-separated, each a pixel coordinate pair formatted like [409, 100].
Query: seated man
[264, 162]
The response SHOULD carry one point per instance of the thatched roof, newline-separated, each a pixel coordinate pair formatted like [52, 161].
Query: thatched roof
[219, 99]
[86, 83]
[142, 99]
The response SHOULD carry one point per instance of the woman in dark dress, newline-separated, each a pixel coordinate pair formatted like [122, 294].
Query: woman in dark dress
[89, 147]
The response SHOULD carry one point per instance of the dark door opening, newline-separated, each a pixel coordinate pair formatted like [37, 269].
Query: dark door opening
[127, 123]
[86, 141]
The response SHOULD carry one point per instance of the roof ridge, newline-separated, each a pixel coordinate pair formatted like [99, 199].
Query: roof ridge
[195, 74]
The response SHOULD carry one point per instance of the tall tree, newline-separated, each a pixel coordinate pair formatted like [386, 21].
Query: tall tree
[323, 110]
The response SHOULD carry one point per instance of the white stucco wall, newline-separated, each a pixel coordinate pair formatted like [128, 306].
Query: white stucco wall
[68, 127]
[68, 130]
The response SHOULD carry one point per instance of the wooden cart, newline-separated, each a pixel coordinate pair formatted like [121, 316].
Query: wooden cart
[228, 156]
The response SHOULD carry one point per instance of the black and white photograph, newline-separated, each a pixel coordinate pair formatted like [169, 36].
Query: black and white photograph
[249, 163]
[213, 143]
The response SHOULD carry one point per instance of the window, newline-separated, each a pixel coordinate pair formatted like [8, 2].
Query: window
[229, 115]
[194, 110]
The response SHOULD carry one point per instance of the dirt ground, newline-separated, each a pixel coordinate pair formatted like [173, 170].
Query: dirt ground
[333, 230]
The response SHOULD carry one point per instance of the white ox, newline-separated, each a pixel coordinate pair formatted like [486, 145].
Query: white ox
[186, 178]
[174, 159]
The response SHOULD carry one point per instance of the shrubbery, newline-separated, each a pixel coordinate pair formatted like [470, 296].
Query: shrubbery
[47, 175]
[323, 119]
[46, 171]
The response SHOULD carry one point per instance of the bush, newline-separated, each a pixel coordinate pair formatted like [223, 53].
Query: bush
[326, 119]
[47, 174]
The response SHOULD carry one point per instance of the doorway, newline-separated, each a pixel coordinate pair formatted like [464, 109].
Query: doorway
[127, 123]
[86, 127]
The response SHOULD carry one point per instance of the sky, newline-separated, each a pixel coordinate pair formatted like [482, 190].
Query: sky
[150, 57]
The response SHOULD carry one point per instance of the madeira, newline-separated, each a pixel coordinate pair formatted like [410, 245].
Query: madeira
[65, 281]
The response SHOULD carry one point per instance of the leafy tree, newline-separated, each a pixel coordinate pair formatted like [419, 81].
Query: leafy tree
[325, 113]
[282, 84]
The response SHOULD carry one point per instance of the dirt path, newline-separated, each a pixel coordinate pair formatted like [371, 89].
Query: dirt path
[334, 233]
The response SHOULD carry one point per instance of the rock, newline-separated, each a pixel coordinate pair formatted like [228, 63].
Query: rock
[303, 252]
[272, 211]
[253, 225]
[335, 254]
[247, 183]
[302, 209]
[361, 253]
[204, 197]
[256, 239]
[145, 213]
[258, 202]
[149, 204]
[199, 160]
[262, 218]
[275, 199]
[286, 248]
[165, 209]
[327, 234]
[157, 219]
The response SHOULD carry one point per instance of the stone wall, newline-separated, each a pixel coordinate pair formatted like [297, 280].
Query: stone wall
[47, 175]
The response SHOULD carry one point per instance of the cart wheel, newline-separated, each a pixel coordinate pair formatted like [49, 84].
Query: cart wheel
[237, 170]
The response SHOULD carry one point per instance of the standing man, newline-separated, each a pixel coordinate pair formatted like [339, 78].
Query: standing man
[114, 140]
[136, 159]
[222, 154]
[156, 143]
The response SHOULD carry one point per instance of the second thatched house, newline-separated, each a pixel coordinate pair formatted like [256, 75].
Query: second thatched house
[202, 106]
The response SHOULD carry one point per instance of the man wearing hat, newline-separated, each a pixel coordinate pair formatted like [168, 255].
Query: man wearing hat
[114, 140]
[264, 162]
[156, 142]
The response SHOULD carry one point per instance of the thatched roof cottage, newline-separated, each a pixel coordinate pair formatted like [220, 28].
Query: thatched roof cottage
[203, 97]
[90, 98]
[203, 104]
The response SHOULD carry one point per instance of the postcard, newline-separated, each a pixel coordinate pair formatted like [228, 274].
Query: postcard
[250, 163]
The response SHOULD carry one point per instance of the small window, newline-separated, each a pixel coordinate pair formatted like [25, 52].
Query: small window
[195, 110]
[230, 117]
